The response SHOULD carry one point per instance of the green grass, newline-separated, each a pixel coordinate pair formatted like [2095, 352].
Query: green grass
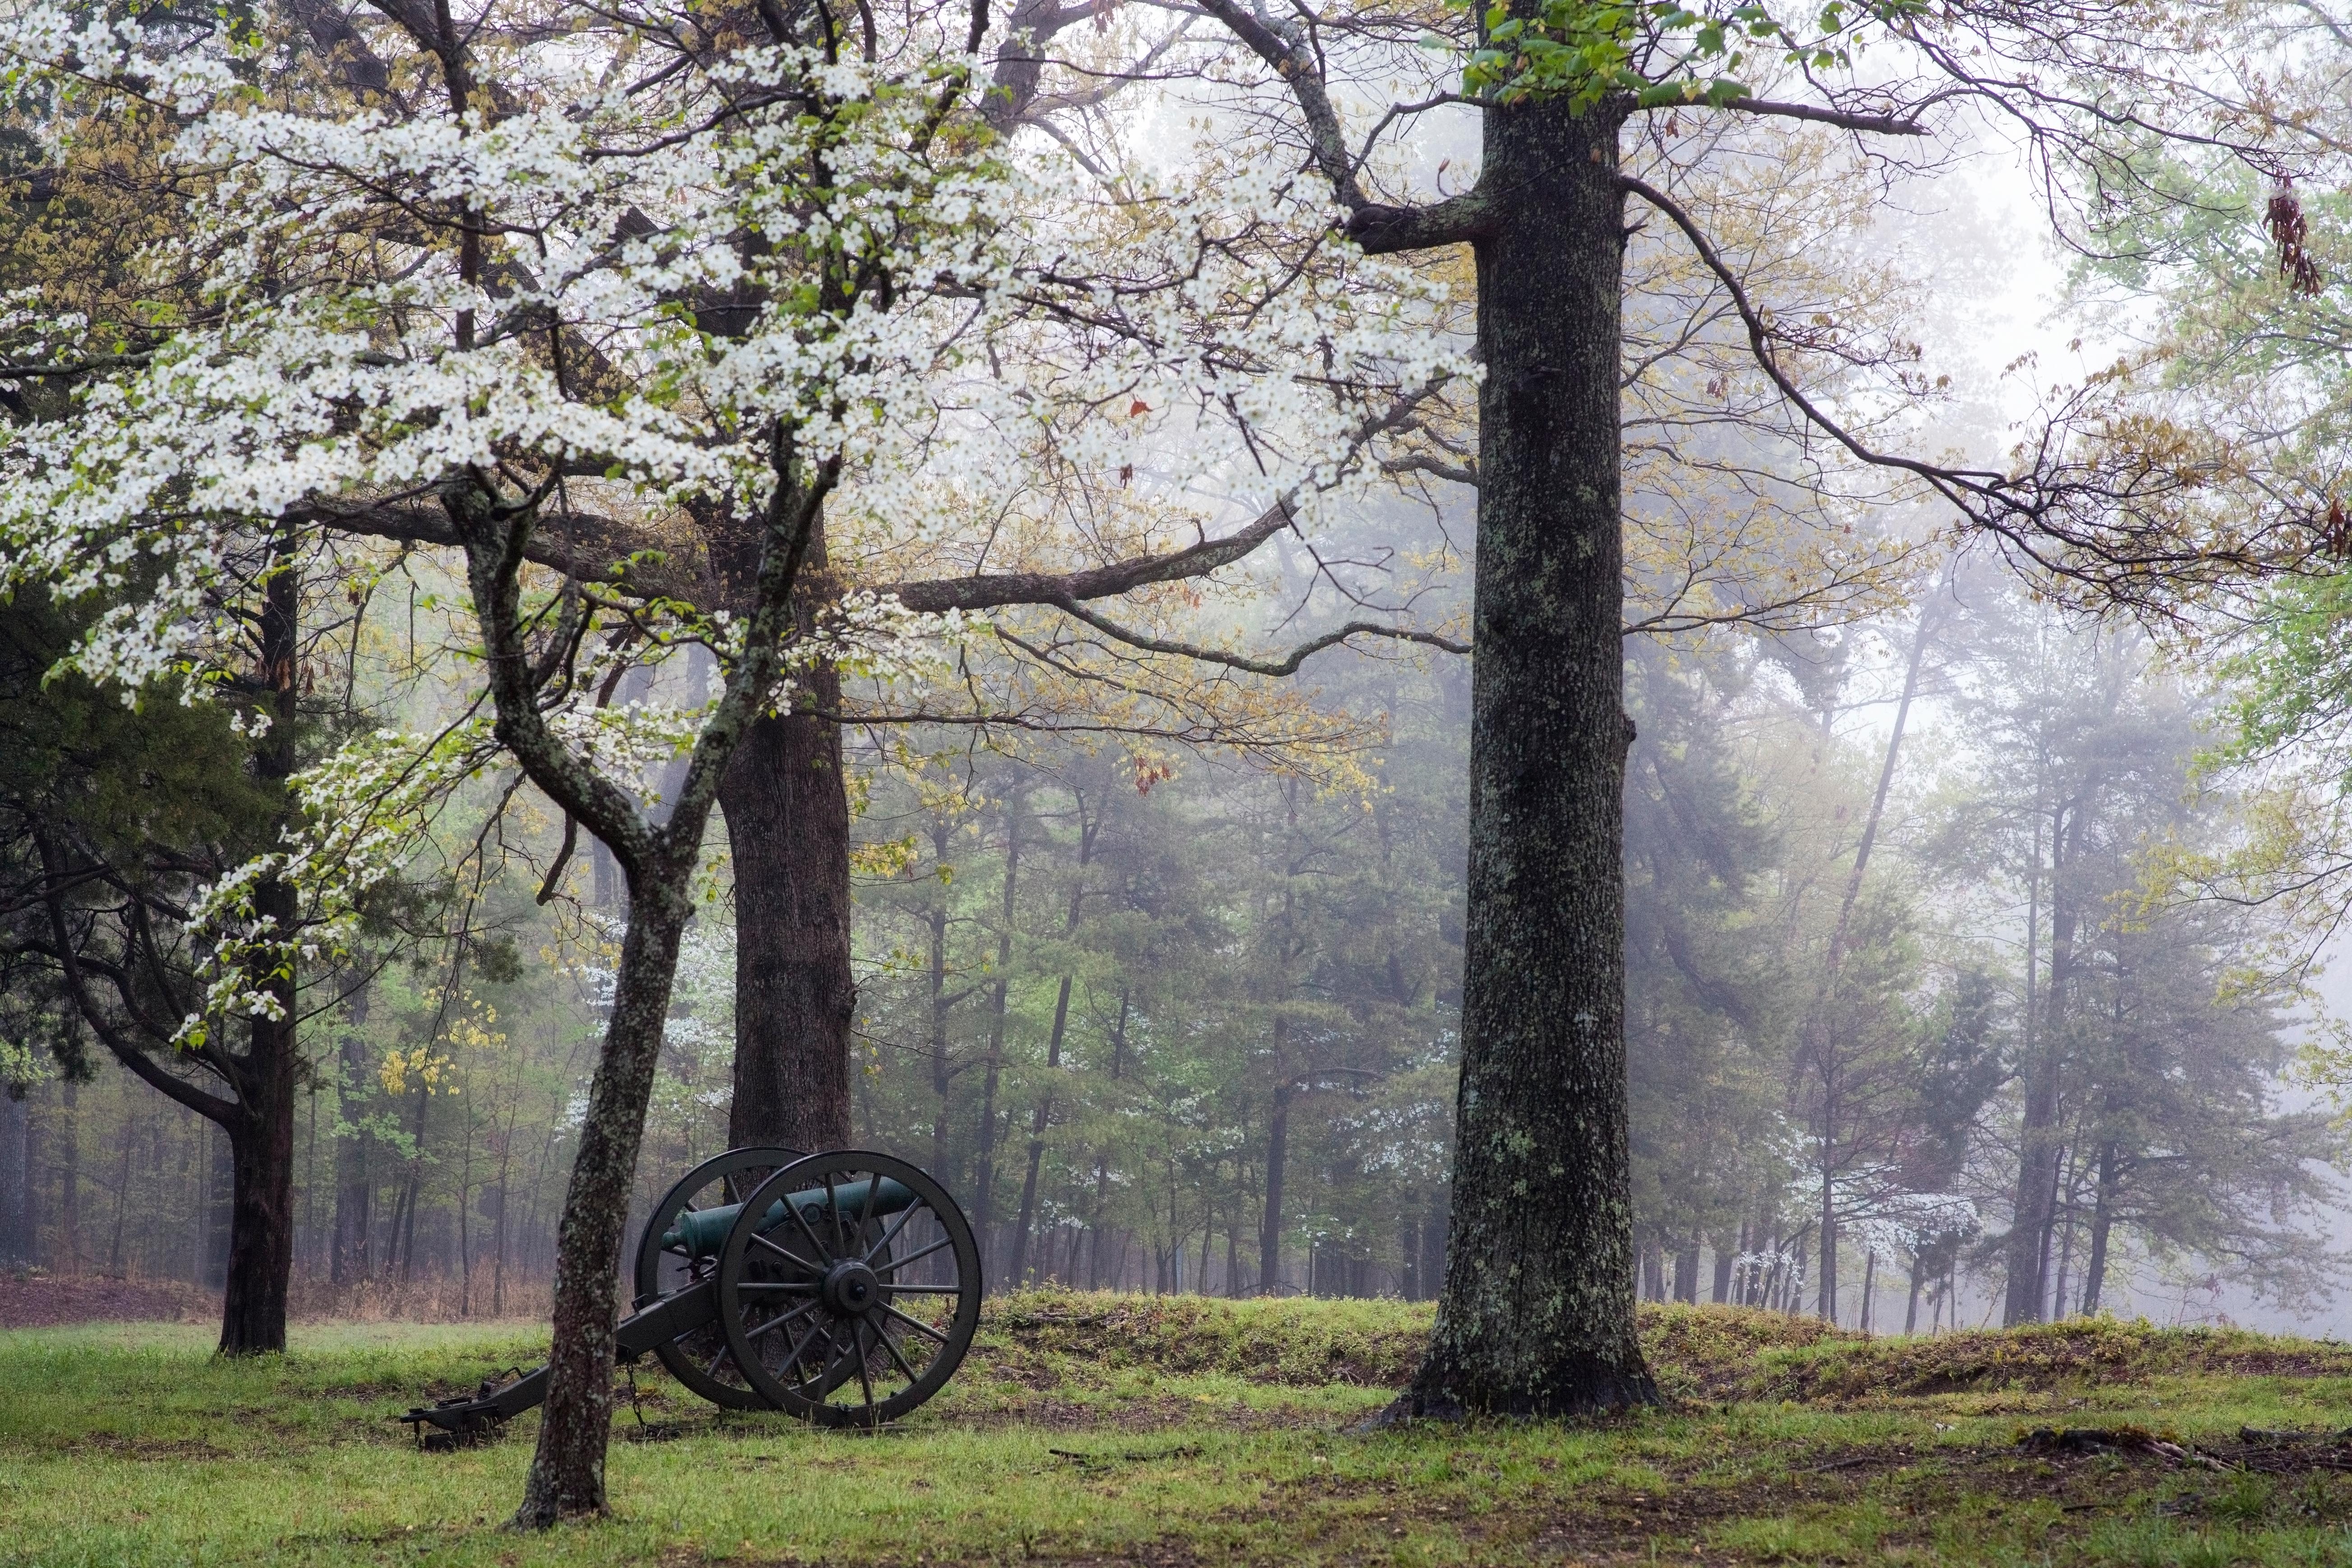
[1105, 1429]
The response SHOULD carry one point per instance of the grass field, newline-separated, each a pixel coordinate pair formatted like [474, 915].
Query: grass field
[1102, 1429]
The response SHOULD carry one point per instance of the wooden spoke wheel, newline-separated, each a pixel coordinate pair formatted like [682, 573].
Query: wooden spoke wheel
[666, 1264]
[854, 1302]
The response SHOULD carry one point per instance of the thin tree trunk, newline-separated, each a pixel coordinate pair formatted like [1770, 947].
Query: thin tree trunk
[567, 1472]
[199, 1234]
[1536, 1317]
[1277, 1155]
[69, 1181]
[1823, 1027]
[2045, 1128]
[498, 1228]
[16, 1237]
[2095, 1269]
[984, 1183]
[465, 1226]
[936, 1011]
[1044, 1115]
[1911, 1309]
[307, 1238]
[2036, 1177]
[1102, 1212]
[1826, 1302]
[347, 1264]
[121, 1207]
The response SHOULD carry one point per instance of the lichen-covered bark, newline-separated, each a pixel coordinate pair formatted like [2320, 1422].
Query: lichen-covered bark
[567, 1472]
[1536, 1317]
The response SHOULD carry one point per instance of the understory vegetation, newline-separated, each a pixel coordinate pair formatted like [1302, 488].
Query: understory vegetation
[1098, 1429]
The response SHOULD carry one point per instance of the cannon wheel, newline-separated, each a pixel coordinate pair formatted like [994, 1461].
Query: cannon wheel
[856, 1320]
[701, 1358]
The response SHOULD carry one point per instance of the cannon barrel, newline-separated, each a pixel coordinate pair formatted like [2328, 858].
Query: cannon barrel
[703, 1232]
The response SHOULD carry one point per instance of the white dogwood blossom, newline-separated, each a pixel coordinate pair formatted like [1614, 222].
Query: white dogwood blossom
[600, 295]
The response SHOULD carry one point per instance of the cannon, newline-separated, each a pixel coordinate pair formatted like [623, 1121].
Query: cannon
[843, 1288]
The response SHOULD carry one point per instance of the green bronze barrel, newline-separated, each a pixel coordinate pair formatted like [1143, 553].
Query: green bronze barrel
[704, 1231]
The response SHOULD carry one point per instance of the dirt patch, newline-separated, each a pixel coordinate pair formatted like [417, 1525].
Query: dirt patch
[42, 1301]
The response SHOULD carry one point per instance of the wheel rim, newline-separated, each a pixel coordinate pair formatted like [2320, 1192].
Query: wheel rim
[846, 1316]
[701, 1358]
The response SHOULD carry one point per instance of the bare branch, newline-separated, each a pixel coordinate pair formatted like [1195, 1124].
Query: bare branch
[1287, 665]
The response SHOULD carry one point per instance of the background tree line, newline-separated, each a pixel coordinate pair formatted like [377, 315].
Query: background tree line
[1188, 1025]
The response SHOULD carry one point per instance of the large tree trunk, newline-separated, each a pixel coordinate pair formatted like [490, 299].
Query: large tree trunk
[261, 1130]
[1536, 1313]
[787, 811]
[261, 1193]
[567, 1472]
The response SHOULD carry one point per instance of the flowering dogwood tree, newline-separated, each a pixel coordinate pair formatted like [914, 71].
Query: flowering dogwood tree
[558, 288]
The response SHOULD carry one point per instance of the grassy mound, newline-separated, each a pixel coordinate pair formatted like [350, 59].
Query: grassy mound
[1846, 1369]
[1720, 1354]
[1291, 1342]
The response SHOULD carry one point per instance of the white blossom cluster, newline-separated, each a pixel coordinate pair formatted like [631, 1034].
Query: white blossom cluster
[638, 291]
[363, 811]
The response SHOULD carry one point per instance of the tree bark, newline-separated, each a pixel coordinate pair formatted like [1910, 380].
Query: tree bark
[567, 1472]
[260, 1124]
[787, 809]
[1536, 1317]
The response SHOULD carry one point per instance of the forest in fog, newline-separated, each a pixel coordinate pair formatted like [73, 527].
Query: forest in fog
[1185, 1023]
[1978, 875]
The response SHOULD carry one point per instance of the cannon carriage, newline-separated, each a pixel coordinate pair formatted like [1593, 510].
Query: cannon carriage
[843, 1288]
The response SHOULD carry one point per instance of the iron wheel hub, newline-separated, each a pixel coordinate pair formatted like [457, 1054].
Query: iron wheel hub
[851, 1289]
